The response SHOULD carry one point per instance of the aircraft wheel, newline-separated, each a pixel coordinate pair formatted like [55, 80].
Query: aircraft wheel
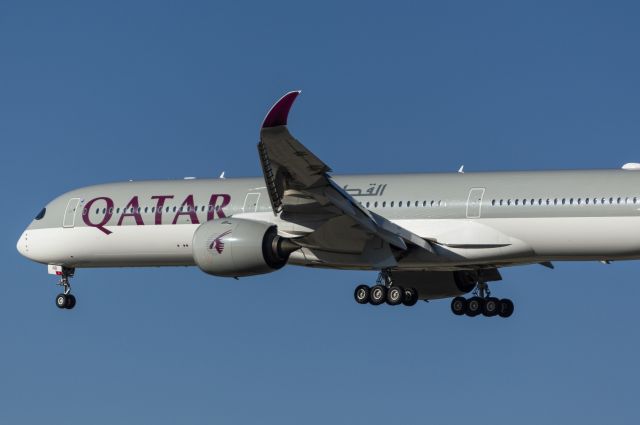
[61, 301]
[71, 302]
[491, 307]
[362, 294]
[458, 306]
[395, 294]
[506, 307]
[378, 295]
[410, 297]
[474, 306]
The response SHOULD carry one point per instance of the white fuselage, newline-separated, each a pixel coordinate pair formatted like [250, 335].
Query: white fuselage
[492, 219]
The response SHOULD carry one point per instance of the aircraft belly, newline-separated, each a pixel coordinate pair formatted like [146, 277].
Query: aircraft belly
[531, 238]
[126, 246]
[576, 237]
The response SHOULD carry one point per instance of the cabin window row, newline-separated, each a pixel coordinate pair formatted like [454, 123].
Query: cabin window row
[152, 210]
[407, 204]
[566, 201]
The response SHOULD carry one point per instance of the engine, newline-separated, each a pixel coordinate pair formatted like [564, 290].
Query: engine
[434, 285]
[233, 247]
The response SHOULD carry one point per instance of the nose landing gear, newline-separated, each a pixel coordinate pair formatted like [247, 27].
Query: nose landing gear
[66, 300]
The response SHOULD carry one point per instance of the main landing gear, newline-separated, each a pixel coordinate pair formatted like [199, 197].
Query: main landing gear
[384, 292]
[66, 299]
[482, 303]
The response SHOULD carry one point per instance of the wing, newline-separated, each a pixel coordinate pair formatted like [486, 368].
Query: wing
[302, 192]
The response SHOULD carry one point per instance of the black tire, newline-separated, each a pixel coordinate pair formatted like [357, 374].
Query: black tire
[71, 302]
[378, 295]
[361, 294]
[474, 306]
[506, 307]
[491, 307]
[61, 301]
[459, 306]
[395, 295]
[410, 297]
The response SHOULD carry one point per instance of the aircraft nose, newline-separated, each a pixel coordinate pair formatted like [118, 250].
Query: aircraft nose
[22, 244]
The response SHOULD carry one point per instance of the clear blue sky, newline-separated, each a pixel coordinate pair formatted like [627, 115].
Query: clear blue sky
[104, 91]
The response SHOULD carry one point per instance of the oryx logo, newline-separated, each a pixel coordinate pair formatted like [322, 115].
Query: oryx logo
[217, 243]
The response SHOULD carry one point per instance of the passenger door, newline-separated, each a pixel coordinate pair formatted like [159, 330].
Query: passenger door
[70, 213]
[251, 202]
[474, 202]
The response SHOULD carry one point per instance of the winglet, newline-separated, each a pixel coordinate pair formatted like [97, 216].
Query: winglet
[280, 111]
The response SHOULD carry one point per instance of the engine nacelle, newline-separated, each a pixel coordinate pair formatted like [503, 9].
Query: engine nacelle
[234, 247]
[434, 285]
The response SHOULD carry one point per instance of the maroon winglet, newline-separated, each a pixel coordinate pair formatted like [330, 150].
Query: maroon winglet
[280, 111]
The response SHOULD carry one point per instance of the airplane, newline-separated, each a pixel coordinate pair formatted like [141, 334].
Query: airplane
[429, 236]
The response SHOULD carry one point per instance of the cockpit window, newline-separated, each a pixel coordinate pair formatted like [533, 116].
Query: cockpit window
[41, 214]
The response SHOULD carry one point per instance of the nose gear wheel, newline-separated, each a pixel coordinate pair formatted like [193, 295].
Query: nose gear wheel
[66, 300]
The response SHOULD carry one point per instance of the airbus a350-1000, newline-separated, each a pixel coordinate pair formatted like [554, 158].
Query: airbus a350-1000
[429, 236]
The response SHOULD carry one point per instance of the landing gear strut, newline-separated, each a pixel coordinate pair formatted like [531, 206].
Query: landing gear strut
[66, 299]
[482, 303]
[385, 291]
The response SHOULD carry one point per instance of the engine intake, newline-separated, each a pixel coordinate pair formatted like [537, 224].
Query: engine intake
[234, 247]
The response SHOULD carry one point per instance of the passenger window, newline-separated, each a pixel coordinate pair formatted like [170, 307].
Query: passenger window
[384, 204]
[375, 204]
[392, 203]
